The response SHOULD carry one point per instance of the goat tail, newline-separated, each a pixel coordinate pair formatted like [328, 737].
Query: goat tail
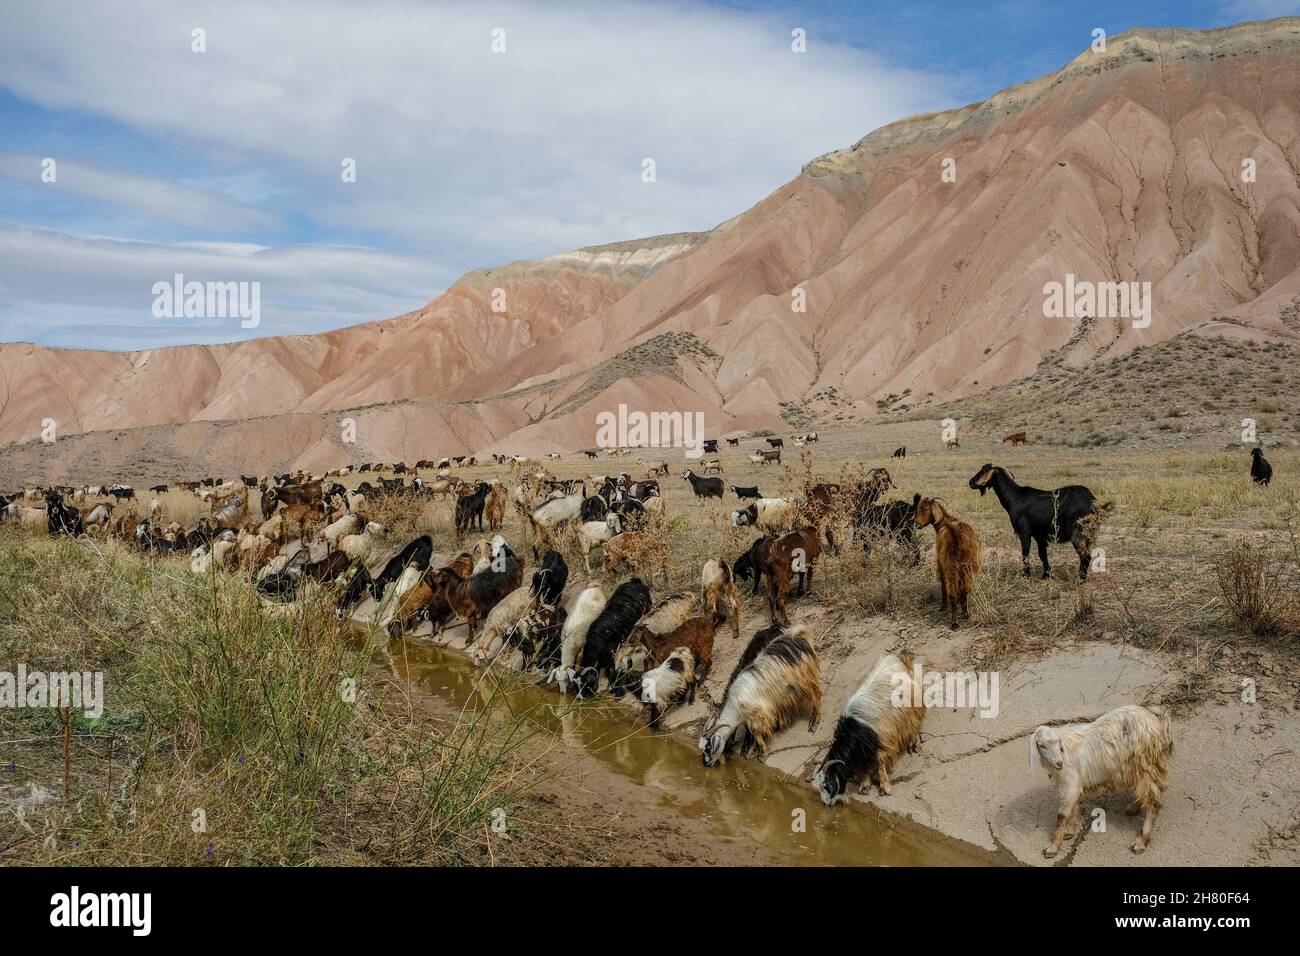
[1162, 715]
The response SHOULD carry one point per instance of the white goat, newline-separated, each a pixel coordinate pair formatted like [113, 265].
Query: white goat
[1126, 749]
[586, 608]
[359, 546]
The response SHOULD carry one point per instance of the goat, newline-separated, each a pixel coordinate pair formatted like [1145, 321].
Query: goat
[776, 442]
[781, 684]
[751, 563]
[649, 650]
[733, 442]
[507, 614]
[427, 600]
[549, 579]
[358, 546]
[1127, 748]
[710, 446]
[956, 553]
[1066, 514]
[900, 452]
[1261, 472]
[646, 642]
[552, 513]
[703, 487]
[415, 557]
[743, 492]
[586, 608]
[469, 508]
[713, 465]
[673, 680]
[629, 602]
[790, 554]
[1017, 438]
[592, 534]
[494, 508]
[769, 515]
[718, 595]
[475, 596]
[874, 729]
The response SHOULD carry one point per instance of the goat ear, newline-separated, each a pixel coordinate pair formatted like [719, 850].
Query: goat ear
[916, 499]
[1035, 759]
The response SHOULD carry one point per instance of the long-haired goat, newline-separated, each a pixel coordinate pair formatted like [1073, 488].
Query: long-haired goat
[1126, 749]
[672, 681]
[880, 721]
[791, 554]
[585, 609]
[718, 595]
[956, 553]
[627, 605]
[648, 644]
[782, 684]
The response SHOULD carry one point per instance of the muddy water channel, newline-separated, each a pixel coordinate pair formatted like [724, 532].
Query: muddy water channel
[741, 803]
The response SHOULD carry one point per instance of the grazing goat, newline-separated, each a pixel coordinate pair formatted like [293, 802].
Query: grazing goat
[781, 684]
[718, 596]
[776, 442]
[751, 563]
[900, 452]
[358, 546]
[956, 553]
[744, 492]
[1261, 472]
[769, 515]
[1126, 749]
[695, 634]
[494, 508]
[586, 608]
[1066, 514]
[550, 578]
[733, 442]
[552, 513]
[874, 730]
[703, 487]
[629, 602]
[1017, 438]
[506, 615]
[790, 554]
[592, 534]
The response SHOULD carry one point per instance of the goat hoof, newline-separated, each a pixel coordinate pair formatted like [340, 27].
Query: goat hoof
[1138, 847]
[1049, 852]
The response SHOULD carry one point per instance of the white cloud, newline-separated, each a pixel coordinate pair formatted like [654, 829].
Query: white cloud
[57, 289]
[150, 197]
[466, 157]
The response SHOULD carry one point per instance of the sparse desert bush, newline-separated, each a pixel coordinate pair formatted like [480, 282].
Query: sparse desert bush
[1258, 587]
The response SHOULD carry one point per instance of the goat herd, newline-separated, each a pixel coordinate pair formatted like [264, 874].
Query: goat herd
[661, 650]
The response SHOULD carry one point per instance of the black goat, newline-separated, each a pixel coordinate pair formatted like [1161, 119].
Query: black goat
[469, 508]
[1061, 515]
[417, 554]
[742, 493]
[159, 489]
[900, 452]
[1261, 472]
[776, 442]
[704, 487]
[627, 605]
[710, 446]
[892, 519]
[59, 518]
[750, 564]
[733, 442]
[550, 578]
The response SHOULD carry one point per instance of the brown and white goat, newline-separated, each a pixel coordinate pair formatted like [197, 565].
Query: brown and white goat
[791, 554]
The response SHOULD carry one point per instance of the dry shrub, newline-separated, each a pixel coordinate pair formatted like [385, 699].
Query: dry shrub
[1259, 588]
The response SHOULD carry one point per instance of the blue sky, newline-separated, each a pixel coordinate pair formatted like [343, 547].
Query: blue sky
[225, 165]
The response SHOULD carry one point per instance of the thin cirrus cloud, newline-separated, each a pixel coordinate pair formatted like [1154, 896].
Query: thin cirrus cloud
[465, 158]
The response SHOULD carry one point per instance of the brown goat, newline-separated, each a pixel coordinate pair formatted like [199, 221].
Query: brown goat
[956, 552]
[428, 597]
[473, 597]
[646, 650]
[1017, 438]
[790, 554]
